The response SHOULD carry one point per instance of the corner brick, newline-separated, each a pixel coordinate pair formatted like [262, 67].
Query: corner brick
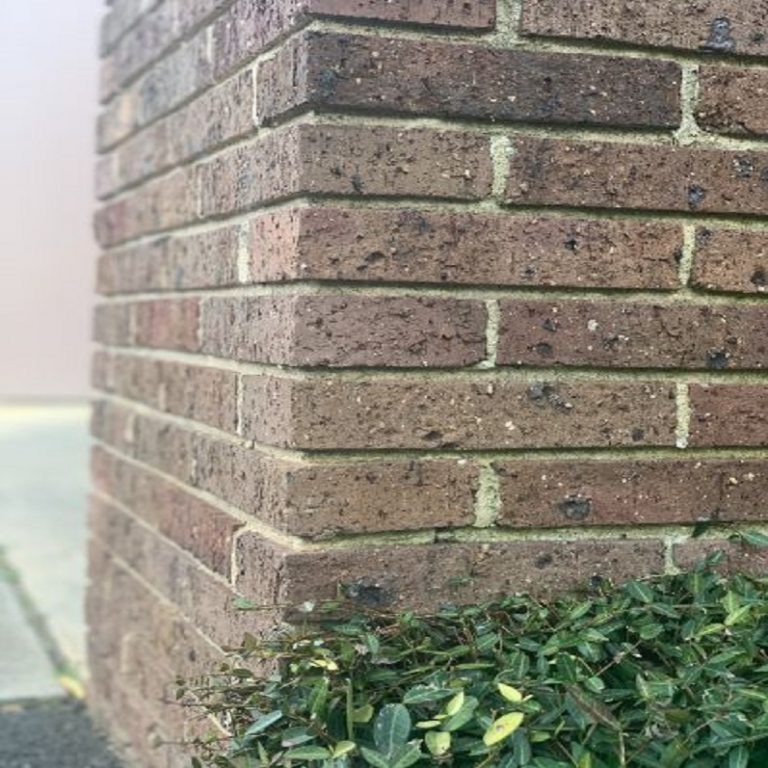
[555, 494]
[409, 245]
[322, 500]
[348, 160]
[249, 28]
[731, 260]
[386, 413]
[729, 415]
[391, 75]
[634, 176]
[346, 331]
[708, 26]
[632, 335]
[423, 576]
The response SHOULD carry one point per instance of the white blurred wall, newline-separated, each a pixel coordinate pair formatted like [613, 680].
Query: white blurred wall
[48, 87]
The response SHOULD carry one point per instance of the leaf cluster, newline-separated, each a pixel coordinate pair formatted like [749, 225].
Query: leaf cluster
[669, 672]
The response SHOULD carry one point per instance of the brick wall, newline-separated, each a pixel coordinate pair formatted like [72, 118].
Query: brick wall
[430, 299]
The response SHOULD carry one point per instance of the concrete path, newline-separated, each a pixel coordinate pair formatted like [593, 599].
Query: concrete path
[43, 498]
[53, 734]
[26, 670]
[43, 492]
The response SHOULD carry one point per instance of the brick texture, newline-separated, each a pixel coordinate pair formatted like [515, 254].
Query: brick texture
[729, 415]
[705, 26]
[731, 260]
[643, 177]
[483, 414]
[554, 494]
[357, 72]
[425, 301]
[413, 246]
[732, 101]
[631, 335]
[346, 331]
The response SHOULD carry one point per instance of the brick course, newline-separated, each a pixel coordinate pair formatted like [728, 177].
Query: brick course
[425, 300]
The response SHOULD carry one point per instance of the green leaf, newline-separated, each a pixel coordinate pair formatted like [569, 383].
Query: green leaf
[463, 716]
[639, 591]
[308, 753]
[425, 694]
[264, 722]
[739, 757]
[503, 728]
[407, 755]
[737, 616]
[375, 758]
[392, 728]
[343, 748]
[454, 705]
[438, 742]
[754, 539]
[363, 714]
[510, 693]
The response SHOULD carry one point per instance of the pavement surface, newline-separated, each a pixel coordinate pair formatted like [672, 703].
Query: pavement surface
[43, 535]
[43, 501]
[51, 734]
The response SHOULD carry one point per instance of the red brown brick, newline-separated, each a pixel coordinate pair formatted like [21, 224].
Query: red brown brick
[203, 394]
[632, 334]
[733, 260]
[346, 331]
[348, 160]
[729, 415]
[164, 203]
[196, 526]
[637, 176]
[167, 324]
[392, 75]
[708, 26]
[423, 576]
[172, 263]
[160, 323]
[732, 101]
[247, 29]
[152, 36]
[218, 116]
[554, 494]
[322, 500]
[409, 245]
[431, 413]
[202, 597]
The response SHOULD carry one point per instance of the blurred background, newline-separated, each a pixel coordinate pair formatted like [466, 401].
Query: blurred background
[48, 91]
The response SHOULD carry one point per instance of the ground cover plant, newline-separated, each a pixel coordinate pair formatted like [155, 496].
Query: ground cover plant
[665, 672]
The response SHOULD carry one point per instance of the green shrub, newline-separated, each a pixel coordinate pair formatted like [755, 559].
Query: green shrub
[667, 672]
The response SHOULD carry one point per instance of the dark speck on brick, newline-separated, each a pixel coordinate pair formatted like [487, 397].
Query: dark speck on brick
[367, 594]
[717, 359]
[720, 39]
[576, 508]
[696, 195]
